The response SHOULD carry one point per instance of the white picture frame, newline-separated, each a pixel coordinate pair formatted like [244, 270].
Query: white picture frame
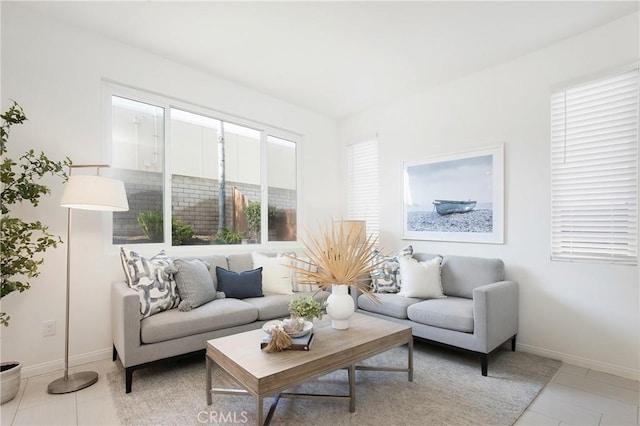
[472, 181]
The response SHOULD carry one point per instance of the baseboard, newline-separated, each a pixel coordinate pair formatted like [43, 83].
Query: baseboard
[58, 365]
[49, 367]
[591, 364]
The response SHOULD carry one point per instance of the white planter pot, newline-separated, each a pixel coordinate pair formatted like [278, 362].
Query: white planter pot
[9, 380]
[340, 307]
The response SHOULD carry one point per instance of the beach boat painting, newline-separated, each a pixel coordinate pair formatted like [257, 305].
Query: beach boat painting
[444, 207]
[457, 197]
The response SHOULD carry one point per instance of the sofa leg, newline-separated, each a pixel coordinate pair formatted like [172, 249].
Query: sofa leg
[513, 343]
[115, 354]
[484, 361]
[128, 374]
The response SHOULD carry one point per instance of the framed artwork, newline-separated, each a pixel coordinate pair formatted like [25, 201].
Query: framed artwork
[456, 197]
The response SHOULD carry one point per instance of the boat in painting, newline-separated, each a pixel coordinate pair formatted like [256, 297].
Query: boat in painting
[444, 207]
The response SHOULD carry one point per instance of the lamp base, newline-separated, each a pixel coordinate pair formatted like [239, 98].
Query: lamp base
[73, 383]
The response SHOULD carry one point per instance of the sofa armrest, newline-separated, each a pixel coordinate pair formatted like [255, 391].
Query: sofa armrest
[495, 313]
[125, 320]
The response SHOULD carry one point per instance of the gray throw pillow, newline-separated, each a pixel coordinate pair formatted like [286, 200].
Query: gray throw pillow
[194, 283]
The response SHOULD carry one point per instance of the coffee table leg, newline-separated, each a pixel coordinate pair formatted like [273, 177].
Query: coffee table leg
[208, 380]
[259, 413]
[410, 360]
[352, 388]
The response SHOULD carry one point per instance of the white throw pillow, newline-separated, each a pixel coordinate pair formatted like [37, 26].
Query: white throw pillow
[420, 279]
[276, 275]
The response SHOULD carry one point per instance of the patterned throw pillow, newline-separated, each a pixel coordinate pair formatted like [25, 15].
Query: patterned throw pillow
[153, 279]
[297, 280]
[386, 277]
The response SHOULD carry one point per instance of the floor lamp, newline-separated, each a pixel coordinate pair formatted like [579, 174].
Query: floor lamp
[85, 192]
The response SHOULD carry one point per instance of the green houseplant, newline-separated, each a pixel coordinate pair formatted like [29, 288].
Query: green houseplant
[152, 224]
[254, 218]
[307, 308]
[227, 236]
[21, 242]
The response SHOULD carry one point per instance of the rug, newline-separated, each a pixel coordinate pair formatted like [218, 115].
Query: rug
[447, 389]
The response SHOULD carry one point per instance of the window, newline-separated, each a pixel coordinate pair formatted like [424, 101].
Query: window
[137, 159]
[594, 170]
[209, 175]
[362, 166]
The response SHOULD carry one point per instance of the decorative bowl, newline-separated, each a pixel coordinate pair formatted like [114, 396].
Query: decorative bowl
[308, 326]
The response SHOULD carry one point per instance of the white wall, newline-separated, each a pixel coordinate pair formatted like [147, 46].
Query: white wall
[55, 72]
[587, 314]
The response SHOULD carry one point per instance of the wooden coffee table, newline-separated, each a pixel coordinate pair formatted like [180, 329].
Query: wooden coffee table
[265, 374]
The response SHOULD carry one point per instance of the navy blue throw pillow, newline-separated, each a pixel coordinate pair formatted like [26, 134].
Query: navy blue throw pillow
[239, 285]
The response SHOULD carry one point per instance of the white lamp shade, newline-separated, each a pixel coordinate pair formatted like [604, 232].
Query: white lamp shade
[94, 193]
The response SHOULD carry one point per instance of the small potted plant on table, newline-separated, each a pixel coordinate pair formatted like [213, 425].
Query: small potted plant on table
[306, 308]
[302, 309]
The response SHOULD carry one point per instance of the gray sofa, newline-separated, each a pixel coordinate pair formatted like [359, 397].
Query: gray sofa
[479, 314]
[140, 341]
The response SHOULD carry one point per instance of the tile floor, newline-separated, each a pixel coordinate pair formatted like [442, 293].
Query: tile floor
[575, 396]
[579, 396]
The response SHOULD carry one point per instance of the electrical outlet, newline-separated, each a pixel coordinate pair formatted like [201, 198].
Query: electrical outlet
[48, 328]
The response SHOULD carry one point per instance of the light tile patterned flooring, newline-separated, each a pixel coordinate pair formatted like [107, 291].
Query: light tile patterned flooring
[575, 396]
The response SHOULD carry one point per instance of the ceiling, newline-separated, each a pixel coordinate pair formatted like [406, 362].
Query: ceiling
[338, 58]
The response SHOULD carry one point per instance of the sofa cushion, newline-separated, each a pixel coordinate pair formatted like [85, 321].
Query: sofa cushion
[276, 306]
[390, 304]
[420, 279]
[452, 313]
[462, 274]
[153, 279]
[239, 285]
[239, 262]
[215, 315]
[276, 273]
[194, 283]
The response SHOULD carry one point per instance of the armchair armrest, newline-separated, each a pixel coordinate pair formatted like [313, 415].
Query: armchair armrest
[495, 313]
[355, 293]
[125, 321]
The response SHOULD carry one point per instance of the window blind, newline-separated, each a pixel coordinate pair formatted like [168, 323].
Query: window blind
[363, 184]
[594, 171]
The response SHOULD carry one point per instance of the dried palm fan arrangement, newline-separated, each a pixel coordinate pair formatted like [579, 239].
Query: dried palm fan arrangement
[339, 255]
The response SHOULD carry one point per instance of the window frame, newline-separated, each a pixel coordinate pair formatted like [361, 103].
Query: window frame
[111, 89]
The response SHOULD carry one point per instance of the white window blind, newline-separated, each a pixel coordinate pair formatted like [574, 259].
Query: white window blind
[594, 171]
[363, 184]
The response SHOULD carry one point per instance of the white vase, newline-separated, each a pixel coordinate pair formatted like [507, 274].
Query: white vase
[10, 380]
[340, 306]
